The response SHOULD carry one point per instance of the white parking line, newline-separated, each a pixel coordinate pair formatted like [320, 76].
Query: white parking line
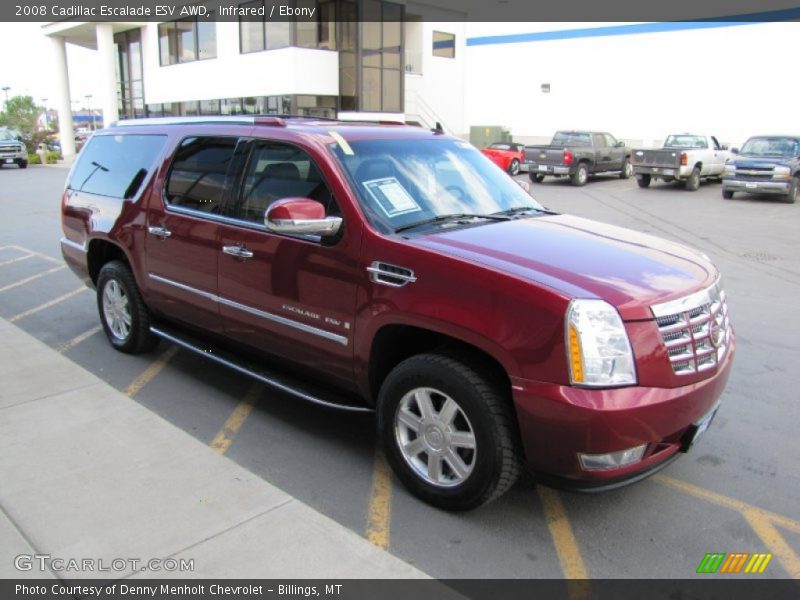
[35, 253]
[46, 305]
[17, 259]
[78, 339]
[11, 286]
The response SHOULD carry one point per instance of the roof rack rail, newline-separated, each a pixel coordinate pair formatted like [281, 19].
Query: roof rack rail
[277, 120]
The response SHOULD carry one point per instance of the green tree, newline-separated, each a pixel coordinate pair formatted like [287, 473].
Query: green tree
[22, 114]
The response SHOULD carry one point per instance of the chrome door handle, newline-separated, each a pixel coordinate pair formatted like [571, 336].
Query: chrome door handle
[161, 232]
[237, 251]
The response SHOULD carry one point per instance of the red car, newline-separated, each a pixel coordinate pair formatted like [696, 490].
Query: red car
[393, 269]
[506, 155]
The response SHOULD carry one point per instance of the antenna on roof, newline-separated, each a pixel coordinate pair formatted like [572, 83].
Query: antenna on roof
[438, 128]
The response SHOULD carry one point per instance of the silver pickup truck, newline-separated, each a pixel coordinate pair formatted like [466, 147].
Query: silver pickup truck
[686, 157]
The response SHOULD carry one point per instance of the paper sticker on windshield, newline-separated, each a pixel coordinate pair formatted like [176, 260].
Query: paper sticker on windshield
[391, 196]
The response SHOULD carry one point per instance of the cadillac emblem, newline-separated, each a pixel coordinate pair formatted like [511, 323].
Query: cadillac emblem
[716, 334]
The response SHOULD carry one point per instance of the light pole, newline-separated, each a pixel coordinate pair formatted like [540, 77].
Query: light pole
[89, 106]
[46, 120]
[5, 89]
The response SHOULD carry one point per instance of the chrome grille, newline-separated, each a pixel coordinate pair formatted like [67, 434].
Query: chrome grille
[695, 330]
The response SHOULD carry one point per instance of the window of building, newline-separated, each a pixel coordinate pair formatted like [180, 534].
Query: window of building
[116, 165]
[274, 171]
[197, 177]
[187, 40]
[262, 33]
[130, 85]
[444, 44]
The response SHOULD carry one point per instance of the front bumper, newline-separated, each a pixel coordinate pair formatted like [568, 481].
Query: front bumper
[547, 169]
[781, 187]
[558, 422]
[8, 158]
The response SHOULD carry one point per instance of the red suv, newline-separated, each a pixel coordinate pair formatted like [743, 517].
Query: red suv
[395, 269]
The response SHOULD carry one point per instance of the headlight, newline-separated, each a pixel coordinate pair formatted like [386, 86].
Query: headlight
[729, 171]
[782, 173]
[598, 350]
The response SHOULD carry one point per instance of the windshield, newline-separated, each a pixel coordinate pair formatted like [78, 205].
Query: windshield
[403, 182]
[686, 141]
[6, 135]
[571, 138]
[771, 146]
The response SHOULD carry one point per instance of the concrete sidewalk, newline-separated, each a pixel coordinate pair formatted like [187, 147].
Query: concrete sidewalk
[88, 473]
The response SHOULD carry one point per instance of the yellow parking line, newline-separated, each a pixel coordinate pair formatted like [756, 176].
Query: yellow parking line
[224, 438]
[731, 503]
[569, 555]
[150, 372]
[380, 504]
[17, 259]
[46, 305]
[11, 286]
[78, 339]
[774, 541]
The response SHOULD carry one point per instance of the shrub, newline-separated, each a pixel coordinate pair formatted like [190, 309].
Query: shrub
[52, 157]
[33, 159]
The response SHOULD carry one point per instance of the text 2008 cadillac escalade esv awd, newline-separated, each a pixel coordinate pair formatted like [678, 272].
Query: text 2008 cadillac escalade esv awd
[395, 269]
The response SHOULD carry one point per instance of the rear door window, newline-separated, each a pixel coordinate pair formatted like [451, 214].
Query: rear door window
[199, 173]
[116, 165]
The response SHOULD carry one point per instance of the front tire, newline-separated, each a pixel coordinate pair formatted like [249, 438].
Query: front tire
[791, 197]
[513, 168]
[693, 182]
[123, 314]
[23, 164]
[727, 194]
[448, 432]
[627, 169]
[643, 181]
[580, 176]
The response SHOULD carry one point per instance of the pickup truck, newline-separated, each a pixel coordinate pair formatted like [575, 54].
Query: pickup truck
[394, 270]
[686, 157]
[12, 150]
[578, 154]
[766, 165]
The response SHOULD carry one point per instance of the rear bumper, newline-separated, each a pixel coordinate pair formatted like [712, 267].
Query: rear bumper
[756, 187]
[559, 422]
[536, 168]
[676, 172]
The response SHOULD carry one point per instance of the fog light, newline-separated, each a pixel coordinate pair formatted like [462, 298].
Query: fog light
[612, 460]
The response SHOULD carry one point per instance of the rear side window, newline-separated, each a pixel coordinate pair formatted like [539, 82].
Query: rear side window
[116, 165]
[197, 177]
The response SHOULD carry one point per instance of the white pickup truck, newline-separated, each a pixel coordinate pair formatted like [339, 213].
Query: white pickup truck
[687, 157]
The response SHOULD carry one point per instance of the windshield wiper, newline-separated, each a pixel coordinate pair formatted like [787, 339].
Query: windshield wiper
[522, 209]
[446, 218]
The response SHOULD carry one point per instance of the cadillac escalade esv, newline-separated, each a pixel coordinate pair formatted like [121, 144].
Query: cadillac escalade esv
[394, 269]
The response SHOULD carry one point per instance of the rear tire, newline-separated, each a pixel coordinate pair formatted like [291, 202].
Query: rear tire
[123, 314]
[643, 181]
[448, 432]
[727, 194]
[513, 168]
[693, 183]
[535, 177]
[580, 176]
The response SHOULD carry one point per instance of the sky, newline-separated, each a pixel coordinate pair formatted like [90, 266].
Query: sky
[27, 66]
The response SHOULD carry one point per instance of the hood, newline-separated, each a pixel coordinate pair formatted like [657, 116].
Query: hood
[742, 161]
[582, 259]
[10, 143]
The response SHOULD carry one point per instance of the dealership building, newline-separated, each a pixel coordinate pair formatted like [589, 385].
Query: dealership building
[378, 60]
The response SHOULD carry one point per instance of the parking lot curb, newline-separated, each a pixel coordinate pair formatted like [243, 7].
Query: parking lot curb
[88, 473]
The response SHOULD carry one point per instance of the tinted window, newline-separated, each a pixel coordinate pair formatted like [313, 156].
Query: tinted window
[197, 178]
[567, 138]
[610, 139]
[277, 171]
[116, 165]
[686, 141]
[600, 140]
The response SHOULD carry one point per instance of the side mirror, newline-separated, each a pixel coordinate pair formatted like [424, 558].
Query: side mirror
[724, 147]
[620, 144]
[524, 185]
[735, 150]
[300, 216]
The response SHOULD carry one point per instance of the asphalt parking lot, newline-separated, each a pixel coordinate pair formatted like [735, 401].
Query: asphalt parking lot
[735, 492]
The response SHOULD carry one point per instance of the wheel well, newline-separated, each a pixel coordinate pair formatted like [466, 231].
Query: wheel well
[101, 252]
[395, 343]
[698, 165]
